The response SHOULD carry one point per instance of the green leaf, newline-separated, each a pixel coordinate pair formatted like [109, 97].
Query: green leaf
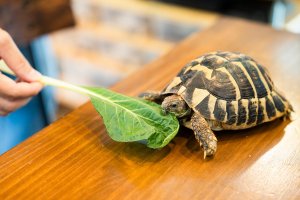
[129, 119]
[126, 119]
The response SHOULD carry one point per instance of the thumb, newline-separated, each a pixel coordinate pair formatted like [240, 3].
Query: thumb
[24, 71]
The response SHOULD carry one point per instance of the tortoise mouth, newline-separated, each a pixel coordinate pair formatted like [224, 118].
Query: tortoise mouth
[186, 113]
[178, 115]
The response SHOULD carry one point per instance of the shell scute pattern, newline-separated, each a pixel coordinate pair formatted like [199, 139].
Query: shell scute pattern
[217, 84]
[231, 88]
[252, 111]
[257, 80]
[270, 108]
[242, 113]
[231, 113]
[219, 111]
[241, 79]
[260, 111]
[204, 107]
[278, 103]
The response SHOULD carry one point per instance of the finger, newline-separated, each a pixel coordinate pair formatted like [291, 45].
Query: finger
[3, 113]
[12, 90]
[10, 53]
[7, 107]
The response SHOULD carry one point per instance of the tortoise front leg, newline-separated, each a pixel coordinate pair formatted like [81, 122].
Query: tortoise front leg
[152, 96]
[204, 135]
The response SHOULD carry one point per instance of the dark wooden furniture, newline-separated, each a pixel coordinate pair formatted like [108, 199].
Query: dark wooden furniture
[25, 19]
[75, 159]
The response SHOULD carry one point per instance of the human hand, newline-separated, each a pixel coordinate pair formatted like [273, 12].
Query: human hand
[15, 94]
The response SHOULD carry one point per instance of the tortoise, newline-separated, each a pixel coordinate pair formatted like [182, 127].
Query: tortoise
[221, 91]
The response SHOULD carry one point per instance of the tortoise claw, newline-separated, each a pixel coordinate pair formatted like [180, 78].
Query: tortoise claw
[209, 153]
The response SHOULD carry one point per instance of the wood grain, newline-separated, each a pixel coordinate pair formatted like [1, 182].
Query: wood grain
[75, 159]
[25, 20]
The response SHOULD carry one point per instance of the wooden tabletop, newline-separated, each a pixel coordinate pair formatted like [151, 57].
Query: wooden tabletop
[75, 159]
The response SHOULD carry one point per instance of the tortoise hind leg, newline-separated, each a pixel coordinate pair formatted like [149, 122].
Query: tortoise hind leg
[156, 97]
[204, 135]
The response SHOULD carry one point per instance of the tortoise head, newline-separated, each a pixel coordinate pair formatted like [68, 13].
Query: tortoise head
[176, 105]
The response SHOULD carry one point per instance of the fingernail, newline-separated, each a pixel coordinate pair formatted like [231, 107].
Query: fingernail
[34, 75]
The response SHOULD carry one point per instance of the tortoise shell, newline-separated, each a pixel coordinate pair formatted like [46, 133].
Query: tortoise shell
[230, 88]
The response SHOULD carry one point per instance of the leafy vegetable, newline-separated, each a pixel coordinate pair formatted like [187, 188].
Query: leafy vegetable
[126, 119]
[130, 119]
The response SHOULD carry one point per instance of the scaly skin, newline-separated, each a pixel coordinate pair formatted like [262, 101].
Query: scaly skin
[204, 135]
[152, 96]
[199, 125]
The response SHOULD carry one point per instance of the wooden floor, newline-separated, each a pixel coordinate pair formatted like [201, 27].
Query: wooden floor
[75, 159]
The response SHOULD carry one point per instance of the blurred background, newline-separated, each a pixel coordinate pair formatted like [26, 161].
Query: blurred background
[110, 39]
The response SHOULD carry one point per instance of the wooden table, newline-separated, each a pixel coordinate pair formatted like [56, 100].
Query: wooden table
[75, 159]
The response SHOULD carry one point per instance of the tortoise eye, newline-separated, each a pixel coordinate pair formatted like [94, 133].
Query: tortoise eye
[173, 105]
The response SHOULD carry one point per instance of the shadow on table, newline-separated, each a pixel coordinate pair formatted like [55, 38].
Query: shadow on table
[241, 148]
[244, 146]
